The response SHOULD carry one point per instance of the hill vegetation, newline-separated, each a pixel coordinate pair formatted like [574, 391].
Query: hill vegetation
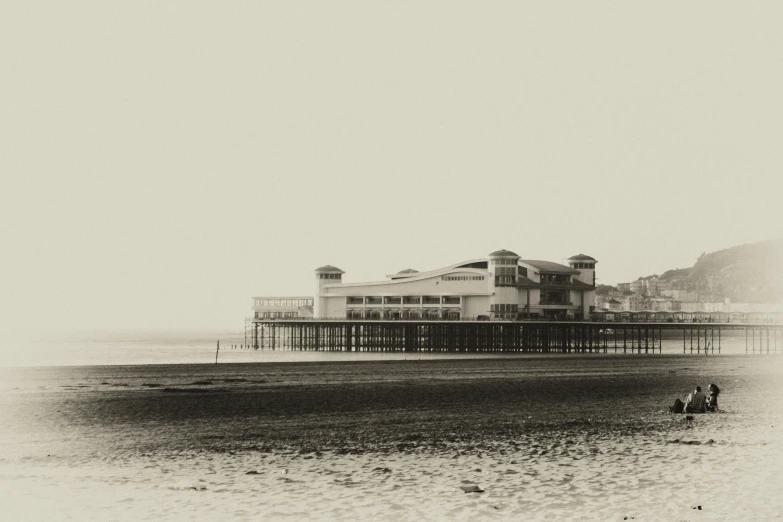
[750, 273]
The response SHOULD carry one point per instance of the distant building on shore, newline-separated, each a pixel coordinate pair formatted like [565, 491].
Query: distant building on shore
[499, 286]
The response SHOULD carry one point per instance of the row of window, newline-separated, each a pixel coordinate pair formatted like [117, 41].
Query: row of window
[584, 265]
[451, 315]
[505, 270]
[505, 280]
[463, 278]
[512, 308]
[275, 315]
[414, 300]
[502, 261]
[554, 297]
[561, 279]
[283, 302]
[330, 276]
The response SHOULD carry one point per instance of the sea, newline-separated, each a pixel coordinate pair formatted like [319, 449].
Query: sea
[166, 347]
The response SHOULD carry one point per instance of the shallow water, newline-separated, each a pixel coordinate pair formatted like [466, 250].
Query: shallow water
[184, 349]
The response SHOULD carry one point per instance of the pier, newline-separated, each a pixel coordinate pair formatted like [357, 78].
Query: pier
[506, 336]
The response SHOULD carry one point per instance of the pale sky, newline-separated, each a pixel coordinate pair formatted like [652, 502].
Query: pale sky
[163, 162]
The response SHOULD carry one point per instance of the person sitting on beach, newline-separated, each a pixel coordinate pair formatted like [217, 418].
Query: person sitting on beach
[712, 400]
[696, 402]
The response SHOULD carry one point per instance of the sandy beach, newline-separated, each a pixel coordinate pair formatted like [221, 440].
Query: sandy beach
[544, 438]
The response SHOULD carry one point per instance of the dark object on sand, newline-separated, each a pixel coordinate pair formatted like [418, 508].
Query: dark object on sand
[471, 489]
[677, 407]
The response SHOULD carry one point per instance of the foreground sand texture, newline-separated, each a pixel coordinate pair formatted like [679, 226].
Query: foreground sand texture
[545, 438]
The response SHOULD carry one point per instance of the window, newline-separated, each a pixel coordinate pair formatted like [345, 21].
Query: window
[463, 278]
[355, 300]
[555, 279]
[372, 300]
[392, 300]
[505, 280]
[451, 300]
[429, 299]
[553, 297]
[411, 300]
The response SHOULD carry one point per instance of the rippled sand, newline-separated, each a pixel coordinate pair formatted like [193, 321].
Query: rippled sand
[583, 438]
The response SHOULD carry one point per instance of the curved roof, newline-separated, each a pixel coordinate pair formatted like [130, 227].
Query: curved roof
[503, 253]
[408, 271]
[328, 269]
[549, 267]
[581, 257]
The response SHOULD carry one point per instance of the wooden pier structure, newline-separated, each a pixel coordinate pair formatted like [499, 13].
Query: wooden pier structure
[505, 336]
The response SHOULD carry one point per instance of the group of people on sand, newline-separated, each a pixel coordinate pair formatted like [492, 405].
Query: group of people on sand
[698, 402]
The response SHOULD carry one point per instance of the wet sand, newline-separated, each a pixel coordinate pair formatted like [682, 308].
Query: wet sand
[562, 437]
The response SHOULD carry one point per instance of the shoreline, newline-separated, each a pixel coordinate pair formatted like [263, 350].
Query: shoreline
[397, 357]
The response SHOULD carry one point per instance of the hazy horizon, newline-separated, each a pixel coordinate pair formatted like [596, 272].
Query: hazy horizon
[164, 163]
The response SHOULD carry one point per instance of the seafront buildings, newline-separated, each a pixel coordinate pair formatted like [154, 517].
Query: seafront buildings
[500, 286]
[652, 295]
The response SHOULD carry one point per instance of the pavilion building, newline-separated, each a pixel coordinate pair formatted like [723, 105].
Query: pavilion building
[501, 286]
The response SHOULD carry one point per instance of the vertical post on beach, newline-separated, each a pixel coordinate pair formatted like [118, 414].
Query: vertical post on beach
[217, 351]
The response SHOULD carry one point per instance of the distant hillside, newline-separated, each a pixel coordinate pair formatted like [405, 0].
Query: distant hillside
[750, 273]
